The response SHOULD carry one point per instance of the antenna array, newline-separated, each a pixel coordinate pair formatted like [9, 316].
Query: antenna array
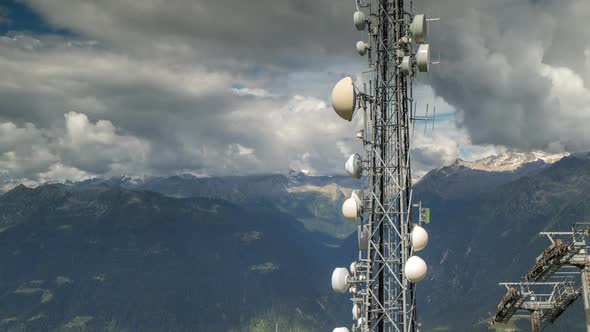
[382, 280]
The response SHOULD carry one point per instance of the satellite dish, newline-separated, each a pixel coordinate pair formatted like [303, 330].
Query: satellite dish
[419, 238]
[362, 47]
[354, 166]
[406, 65]
[418, 28]
[415, 269]
[351, 209]
[363, 237]
[341, 329]
[356, 312]
[344, 98]
[360, 20]
[340, 280]
[423, 57]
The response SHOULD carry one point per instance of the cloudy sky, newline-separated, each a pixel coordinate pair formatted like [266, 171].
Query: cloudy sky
[226, 87]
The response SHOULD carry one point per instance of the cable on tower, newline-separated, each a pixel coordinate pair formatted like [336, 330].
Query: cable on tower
[383, 280]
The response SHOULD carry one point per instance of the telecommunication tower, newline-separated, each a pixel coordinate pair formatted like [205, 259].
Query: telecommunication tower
[383, 280]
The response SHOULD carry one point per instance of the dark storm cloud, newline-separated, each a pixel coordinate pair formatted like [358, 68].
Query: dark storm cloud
[501, 59]
[4, 16]
[240, 87]
[161, 74]
[266, 32]
[518, 70]
[124, 115]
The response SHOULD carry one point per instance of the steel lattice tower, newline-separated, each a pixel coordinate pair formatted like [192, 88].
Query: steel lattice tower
[391, 300]
[382, 280]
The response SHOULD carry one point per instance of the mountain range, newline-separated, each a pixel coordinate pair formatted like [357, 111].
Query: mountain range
[184, 253]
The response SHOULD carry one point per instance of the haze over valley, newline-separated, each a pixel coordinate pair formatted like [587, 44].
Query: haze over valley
[135, 247]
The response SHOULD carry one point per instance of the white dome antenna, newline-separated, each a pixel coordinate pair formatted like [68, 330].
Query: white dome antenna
[354, 166]
[351, 209]
[419, 28]
[415, 269]
[341, 329]
[362, 47]
[394, 43]
[344, 98]
[423, 58]
[340, 278]
[419, 238]
[360, 20]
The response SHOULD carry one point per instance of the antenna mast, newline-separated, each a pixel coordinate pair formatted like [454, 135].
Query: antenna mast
[382, 280]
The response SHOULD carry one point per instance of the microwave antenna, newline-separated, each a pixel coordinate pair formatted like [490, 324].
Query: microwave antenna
[382, 281]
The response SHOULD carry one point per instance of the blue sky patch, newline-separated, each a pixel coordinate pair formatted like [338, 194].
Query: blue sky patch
[18, 17]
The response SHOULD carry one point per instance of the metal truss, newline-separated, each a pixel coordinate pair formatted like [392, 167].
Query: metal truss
[384, 299]
[387, 299]
[567, 250]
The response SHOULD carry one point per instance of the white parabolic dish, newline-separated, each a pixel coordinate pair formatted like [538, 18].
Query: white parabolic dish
[362, 47]
[344, 98]
[419, 238]
[354, 166]
[341, 329]
[415, 269]
[350, 209]
[423, 58]
[418, 28]
[339, 280]
[360, 20]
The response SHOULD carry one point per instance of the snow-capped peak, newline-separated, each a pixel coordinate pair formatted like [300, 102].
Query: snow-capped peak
[133, 179]
[510, 161]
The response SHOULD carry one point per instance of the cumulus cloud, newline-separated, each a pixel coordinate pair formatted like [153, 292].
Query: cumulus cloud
[80, 151]
[60, 172]
[229, 87]
[23, 150]
[516, 71]
[440, 141]
[171, 126]
[97, 148]
[176, 119]
[150, 117]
